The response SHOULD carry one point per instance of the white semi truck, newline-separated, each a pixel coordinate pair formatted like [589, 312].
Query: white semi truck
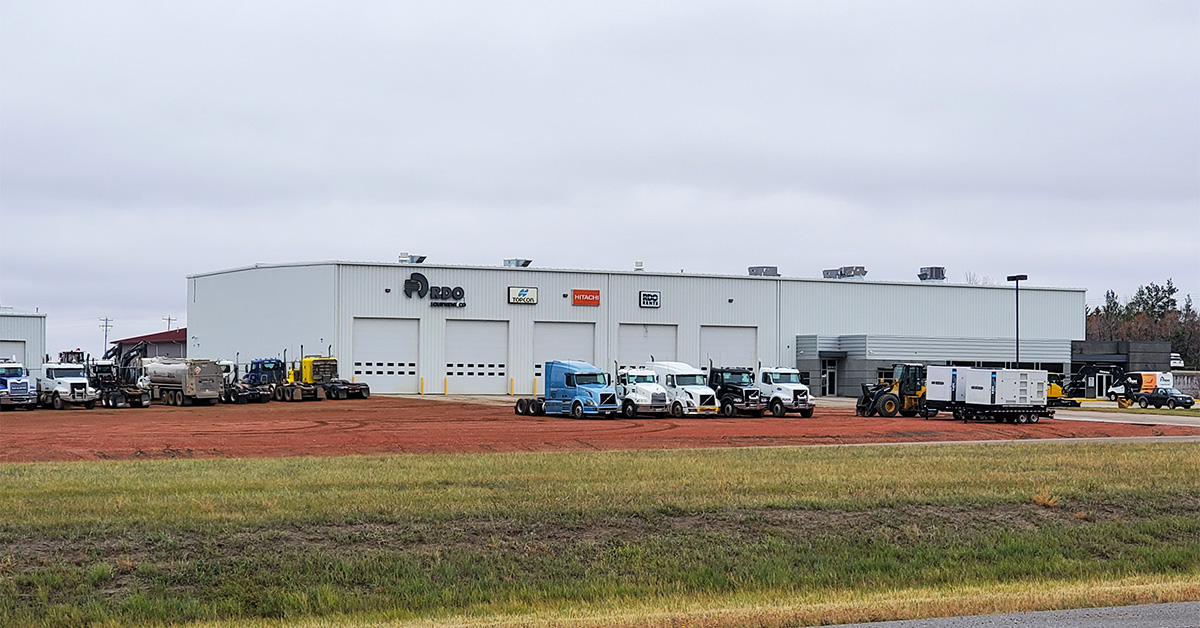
[638, 392]
[782, 390]
[63, 384]
[687, 392]
[1000, 395]
[182, 382]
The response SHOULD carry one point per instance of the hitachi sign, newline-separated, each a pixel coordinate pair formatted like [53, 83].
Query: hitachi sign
[585, 297]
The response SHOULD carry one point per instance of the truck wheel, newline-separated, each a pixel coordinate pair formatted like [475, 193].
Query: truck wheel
[522, 407]
[1022, 418]
[677, 410]
[727, 409]
[536, 408]
[1142, 403]
[31, 406]
[56, 402]
[366, 393]
[89, 405]
[777, 408]
[888, 405]
[1170, 404]
[629, 410]
[577, 410]
[807, 414]
[1033, 418]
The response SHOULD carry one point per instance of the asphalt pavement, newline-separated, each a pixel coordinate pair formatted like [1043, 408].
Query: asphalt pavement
[1177, 615]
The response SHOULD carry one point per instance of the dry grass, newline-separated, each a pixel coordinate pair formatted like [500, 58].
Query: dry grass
[1045, 499]
[819, 608]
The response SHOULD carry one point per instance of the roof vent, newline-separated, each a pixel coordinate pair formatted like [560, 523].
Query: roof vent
[933, 274]
[637, 267]
[764, 271]
[517, 262]
[405, 258]
[846, 272]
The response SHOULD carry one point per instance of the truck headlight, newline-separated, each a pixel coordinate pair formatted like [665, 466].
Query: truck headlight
[589, 402]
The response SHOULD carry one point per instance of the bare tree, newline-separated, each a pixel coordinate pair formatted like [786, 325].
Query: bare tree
[976, 280]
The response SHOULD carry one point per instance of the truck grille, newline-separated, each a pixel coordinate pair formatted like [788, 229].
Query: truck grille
[708, 400]
[800, 396]
[751, 395]
[18, 388]
[78, 390]
[608, 399]
[658, 398]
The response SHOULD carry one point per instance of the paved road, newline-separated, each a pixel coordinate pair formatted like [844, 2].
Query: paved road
[1179, 615]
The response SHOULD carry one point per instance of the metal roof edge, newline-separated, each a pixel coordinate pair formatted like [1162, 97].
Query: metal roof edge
[638, 273]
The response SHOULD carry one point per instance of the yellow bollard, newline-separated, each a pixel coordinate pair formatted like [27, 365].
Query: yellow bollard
[422, 385]
[445, 385]
[510, 386]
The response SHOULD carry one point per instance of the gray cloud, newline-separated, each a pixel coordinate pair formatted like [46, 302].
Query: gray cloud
[1061, 138]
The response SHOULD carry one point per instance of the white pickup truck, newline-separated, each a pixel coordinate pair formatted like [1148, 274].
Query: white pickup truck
[782, 390]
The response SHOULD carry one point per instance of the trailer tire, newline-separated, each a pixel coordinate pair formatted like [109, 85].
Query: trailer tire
[777, 408]
[1022, 418]
[522, 407]
[536, 408]
[577, 410]
[1033, 418]
[629, 410]
[888, 405]
[727, 409]
[677, 410]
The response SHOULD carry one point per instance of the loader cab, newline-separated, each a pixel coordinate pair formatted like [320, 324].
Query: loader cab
[909, 379]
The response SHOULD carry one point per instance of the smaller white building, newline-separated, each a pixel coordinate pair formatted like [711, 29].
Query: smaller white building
[23, 338]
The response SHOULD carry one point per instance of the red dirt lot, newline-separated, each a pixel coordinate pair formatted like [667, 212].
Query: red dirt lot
[390, 425]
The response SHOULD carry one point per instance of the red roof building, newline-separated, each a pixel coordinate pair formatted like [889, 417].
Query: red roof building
[164, 344]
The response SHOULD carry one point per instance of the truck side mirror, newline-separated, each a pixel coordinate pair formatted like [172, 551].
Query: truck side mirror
[607, 380]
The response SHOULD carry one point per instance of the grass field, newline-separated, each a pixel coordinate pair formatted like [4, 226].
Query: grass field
[1193, 412]
[739, 537]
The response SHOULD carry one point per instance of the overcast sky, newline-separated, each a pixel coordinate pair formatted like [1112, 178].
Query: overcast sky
[144, 141]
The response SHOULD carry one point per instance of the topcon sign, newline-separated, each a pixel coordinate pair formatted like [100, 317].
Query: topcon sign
[526, 296]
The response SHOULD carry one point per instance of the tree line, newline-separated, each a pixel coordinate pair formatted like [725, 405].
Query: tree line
[1152, 313]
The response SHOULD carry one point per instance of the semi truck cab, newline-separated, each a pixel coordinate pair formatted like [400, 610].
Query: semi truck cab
[64, 384]
[782, 391]
[736, 391]
[578, 389]
[686, 390]
[15, 388]
[639, 392]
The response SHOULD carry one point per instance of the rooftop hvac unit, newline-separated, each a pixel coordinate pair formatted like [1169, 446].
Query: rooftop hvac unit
[637, 267]
[405, 258]
[517, 262]
[764, 271]
[846, 272]
[932, 273]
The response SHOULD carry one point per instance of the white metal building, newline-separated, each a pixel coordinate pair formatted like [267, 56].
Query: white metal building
[409, 328]
[23, 337]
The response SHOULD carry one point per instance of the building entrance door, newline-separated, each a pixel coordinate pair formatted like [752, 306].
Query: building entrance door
[829, 378]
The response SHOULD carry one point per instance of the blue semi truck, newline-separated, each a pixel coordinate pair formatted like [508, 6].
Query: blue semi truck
[572, 388]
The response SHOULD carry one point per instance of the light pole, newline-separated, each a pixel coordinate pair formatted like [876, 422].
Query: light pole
[1018, 279]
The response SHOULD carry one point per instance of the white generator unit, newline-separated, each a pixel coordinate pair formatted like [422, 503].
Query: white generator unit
[1000, 395]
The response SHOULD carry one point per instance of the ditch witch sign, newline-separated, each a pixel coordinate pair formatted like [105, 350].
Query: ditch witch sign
[439, 296]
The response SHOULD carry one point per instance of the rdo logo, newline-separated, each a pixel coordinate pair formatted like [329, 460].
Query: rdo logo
[441, 295]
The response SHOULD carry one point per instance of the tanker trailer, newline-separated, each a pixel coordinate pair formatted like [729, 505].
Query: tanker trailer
[183, 382]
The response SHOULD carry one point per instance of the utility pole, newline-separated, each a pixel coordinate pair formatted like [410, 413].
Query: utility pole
[106, 324]
[169, 319]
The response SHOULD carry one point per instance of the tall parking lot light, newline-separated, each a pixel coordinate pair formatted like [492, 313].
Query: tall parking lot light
[1018, 279]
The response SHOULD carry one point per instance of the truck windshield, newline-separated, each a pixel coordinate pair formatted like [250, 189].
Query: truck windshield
[582, 379]
[641, 379]
[689, 380]
[11, 371]
[1174, 391]
[737, 379]
[61, 373]
[786, 378]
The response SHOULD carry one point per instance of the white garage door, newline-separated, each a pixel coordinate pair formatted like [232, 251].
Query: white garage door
[476, 357]
[385, 354]
[13, 350]
[637, 343]
[729, 346]
[562, 341]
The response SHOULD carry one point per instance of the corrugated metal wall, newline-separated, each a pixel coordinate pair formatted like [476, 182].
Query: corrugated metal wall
[259, 311]
[29, 329]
